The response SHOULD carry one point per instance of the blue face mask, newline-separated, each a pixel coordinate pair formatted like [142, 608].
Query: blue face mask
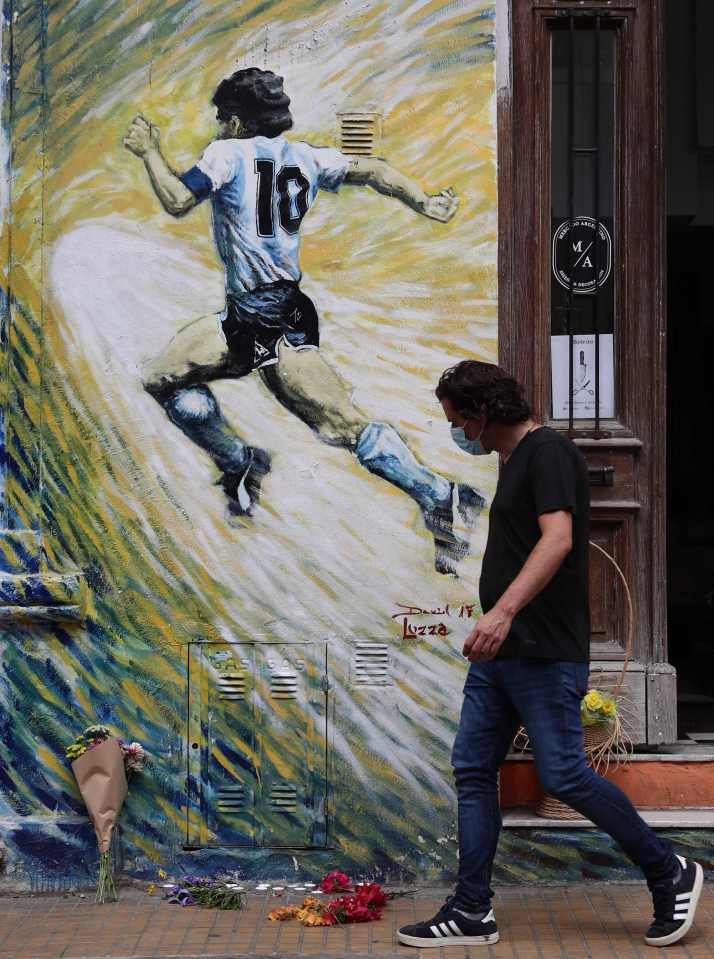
[474, 447]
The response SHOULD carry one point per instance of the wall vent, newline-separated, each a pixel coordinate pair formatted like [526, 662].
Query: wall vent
[360, 133]
[230, 798]
[283, 797]
[371, 665]
[284, 685]
[231, 686]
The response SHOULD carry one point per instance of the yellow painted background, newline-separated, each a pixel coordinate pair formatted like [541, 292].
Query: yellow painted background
[103, 278]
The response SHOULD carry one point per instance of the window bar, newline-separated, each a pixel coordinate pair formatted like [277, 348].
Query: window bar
[597, 225]
[571, 205]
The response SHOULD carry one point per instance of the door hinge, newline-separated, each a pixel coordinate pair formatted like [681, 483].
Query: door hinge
[325, 683]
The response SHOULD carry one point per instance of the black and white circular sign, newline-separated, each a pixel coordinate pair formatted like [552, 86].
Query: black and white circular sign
[576, 252]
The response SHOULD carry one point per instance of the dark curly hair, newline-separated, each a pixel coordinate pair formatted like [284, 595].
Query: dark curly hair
[480, 389]
[257, 98]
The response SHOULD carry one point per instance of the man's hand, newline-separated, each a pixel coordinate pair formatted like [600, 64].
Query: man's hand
[441, 206]
[141, 137]
[488, 635]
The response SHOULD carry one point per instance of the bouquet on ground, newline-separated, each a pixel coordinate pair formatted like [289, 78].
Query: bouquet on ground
[207, 892]
[362, 902]
[101, 764]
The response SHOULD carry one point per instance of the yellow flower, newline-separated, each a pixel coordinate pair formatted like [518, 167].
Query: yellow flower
[608, 707]
[152, 889]
[593, 700]
[162, 874]
[282, 913]
[311, 919]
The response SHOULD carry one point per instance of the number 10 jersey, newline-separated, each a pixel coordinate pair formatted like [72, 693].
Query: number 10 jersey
[260, 190]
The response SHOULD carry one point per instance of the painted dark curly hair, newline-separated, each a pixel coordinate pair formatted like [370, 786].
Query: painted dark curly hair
[479, 389]
[257, 98]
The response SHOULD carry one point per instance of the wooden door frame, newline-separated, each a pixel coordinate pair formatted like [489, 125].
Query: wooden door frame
[524, 288]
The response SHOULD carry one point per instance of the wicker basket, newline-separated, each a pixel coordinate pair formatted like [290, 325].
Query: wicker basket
[551, 808]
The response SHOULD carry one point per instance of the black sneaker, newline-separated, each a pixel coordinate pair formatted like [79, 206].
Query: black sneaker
[242, 485]
[469, 503]
[674, 907]
[450, 927]
[450, 547]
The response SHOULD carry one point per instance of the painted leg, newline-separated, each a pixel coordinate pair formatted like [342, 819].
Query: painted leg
[308, 387]
[382, 451]
[197, 414]
[177, 381]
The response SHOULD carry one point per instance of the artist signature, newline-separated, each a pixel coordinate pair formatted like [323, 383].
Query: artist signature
[408, 612]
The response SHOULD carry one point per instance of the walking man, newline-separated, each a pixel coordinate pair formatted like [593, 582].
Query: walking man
[261, 186]
[529, 656]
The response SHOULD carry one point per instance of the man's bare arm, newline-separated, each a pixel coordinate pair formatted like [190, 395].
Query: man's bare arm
[142, 139]
[384, 179]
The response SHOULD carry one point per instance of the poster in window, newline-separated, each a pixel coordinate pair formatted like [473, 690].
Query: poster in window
[584, 373]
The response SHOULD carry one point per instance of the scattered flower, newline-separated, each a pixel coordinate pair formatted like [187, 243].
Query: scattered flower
[363, 903]
[335, 881]
[203, 891]
[283, 912]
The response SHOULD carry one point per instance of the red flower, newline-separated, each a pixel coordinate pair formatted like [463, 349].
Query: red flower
[352, 909]
[371, 895]
[335, 881]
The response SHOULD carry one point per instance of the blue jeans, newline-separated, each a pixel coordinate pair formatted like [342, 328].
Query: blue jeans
[545, 697]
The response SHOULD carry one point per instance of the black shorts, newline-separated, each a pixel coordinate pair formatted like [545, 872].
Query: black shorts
[255, 323]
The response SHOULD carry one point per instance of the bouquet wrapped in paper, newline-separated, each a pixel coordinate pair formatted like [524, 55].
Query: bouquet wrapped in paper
[100, 763]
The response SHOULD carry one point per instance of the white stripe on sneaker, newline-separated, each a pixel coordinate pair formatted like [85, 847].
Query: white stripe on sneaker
[437, 932]
[455, 928]
[683, 895]
[445, 929]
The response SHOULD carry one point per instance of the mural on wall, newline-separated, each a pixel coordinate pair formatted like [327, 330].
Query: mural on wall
[261, 187]
[245, 550]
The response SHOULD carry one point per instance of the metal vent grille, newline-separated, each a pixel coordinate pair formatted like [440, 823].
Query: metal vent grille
[231, 685]
[359, 133]
[283, 797]
[284, 685]
[371, 665]
[231, 798]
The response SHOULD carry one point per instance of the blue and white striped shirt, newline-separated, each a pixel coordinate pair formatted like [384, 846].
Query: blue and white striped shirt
[260, 190]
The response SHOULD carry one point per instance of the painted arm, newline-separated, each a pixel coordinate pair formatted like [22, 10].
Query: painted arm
[380, 176]
[142, 139]
[546, 557]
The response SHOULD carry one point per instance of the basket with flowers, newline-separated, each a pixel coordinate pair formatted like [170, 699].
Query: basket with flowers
[604, 741]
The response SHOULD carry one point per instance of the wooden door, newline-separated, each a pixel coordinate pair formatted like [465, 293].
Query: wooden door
[581, 287]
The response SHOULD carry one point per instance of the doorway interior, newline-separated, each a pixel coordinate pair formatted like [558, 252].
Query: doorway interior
[690, 362]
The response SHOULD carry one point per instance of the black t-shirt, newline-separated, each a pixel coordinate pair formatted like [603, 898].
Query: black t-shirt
[545, 472]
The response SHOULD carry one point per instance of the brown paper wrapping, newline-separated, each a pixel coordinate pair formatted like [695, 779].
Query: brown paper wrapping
[102, 782]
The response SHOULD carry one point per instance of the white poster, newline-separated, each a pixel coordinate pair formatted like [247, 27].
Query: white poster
[583, 376]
